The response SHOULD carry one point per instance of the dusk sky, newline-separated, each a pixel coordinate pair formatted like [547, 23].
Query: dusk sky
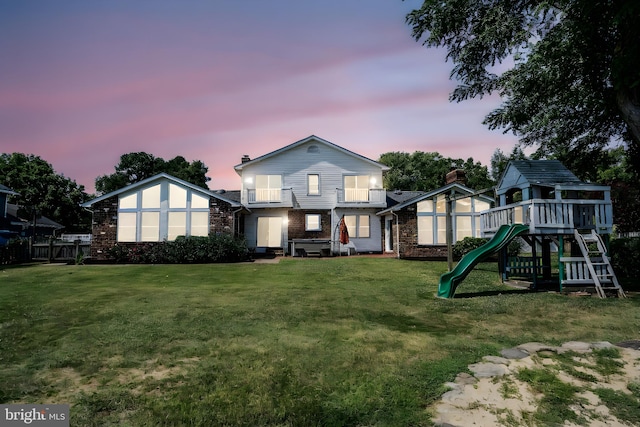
[83, 82]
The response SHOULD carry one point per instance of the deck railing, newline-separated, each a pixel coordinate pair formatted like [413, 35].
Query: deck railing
[268, 196]
[351, 196]
[551, 216]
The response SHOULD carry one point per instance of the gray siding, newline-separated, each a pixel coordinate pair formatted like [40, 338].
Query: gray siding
[297, 163]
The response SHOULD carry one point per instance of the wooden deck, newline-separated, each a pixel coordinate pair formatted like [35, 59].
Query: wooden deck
[545, 216]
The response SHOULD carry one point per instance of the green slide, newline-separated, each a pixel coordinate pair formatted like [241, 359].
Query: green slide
[450, 281]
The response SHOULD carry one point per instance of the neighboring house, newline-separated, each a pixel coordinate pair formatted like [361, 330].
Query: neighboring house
[44, 227]
[156, 209]
[416, 227]
[302, 191]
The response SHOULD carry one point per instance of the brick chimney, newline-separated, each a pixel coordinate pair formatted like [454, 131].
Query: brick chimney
[246, 158]
[456, 175]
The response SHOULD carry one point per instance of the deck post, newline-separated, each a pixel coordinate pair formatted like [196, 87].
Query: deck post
[546, 258]
[560, 263]
[534, 255]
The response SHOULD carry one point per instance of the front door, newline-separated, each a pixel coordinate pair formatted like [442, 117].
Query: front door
[269, 232]
[388, 234]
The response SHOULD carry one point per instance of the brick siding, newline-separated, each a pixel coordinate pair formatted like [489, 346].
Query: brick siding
[105, 225]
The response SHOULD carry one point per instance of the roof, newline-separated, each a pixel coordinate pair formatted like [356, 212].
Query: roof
[542, 172]
[454, 186]
[235, 195]
[158, 177]
[7, 190]
[313, 138]
[399, 196]
[41, 221]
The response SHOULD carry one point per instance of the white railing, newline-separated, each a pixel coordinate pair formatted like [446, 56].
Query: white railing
[551, 216]
[375, 196]
[269, 195]
[576, 271]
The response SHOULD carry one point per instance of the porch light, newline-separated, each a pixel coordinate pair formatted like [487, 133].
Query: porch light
[248, 180]
[373, 181]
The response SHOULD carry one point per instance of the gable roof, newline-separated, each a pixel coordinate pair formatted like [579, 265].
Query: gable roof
[158, 177]
[427, 195]
[238, 168]
[542, 172]
[41, 221]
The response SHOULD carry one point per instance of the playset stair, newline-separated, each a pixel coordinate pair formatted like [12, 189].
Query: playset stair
[598, 264]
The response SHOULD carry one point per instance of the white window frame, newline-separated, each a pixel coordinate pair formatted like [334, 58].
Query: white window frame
[359, 191]
[272, 192]
[153, 224]
[313, 189]
[316, 225]
[355, 226]
[435, 208]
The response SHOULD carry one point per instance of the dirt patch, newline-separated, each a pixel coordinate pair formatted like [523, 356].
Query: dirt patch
[66, 383]
[496, 397]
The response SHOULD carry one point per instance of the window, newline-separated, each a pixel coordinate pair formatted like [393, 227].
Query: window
[425, 230]
[356, 188]
[312, 222]
[268, 188]
[269, 232]
[432, 223]
[177, 197]
[127, 227]
[313, 184]
[199, 223]
[357, 226]
[151, 197]
[162, 212]
[150, 227]
[463, 227]
[177, 225]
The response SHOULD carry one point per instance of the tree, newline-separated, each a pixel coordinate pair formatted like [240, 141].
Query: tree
[43, 191]
[422, 171]
[499, 161]
[572, 80]
[135, 167]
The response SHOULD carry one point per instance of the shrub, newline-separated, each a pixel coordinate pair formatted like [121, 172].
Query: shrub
[625, 258]
[184, 250]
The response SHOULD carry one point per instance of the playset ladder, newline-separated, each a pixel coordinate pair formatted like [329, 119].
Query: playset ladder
[600, 269]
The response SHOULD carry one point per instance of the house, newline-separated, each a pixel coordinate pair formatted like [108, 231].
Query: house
[301, 192]
[159, 208]
[292, 201]
[417, 227]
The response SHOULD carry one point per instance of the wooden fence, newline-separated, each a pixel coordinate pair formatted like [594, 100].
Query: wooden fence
[58, 251]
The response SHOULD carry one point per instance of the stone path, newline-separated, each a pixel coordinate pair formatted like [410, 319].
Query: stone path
[493, 396]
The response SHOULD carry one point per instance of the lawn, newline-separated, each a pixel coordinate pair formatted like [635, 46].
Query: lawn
[305, 342]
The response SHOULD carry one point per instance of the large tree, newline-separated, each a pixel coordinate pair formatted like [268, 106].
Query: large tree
[422, 171]
[135, 167]
[44, 192]
[568, 71]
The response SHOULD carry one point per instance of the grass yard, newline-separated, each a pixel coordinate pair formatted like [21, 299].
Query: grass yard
[306, 342]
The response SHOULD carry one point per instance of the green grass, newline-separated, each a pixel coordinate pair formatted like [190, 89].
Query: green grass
[313, 342]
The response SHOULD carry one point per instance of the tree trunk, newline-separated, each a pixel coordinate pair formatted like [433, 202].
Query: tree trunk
[629, 105]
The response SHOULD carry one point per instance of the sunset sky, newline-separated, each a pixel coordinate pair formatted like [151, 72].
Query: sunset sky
[83, 82]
